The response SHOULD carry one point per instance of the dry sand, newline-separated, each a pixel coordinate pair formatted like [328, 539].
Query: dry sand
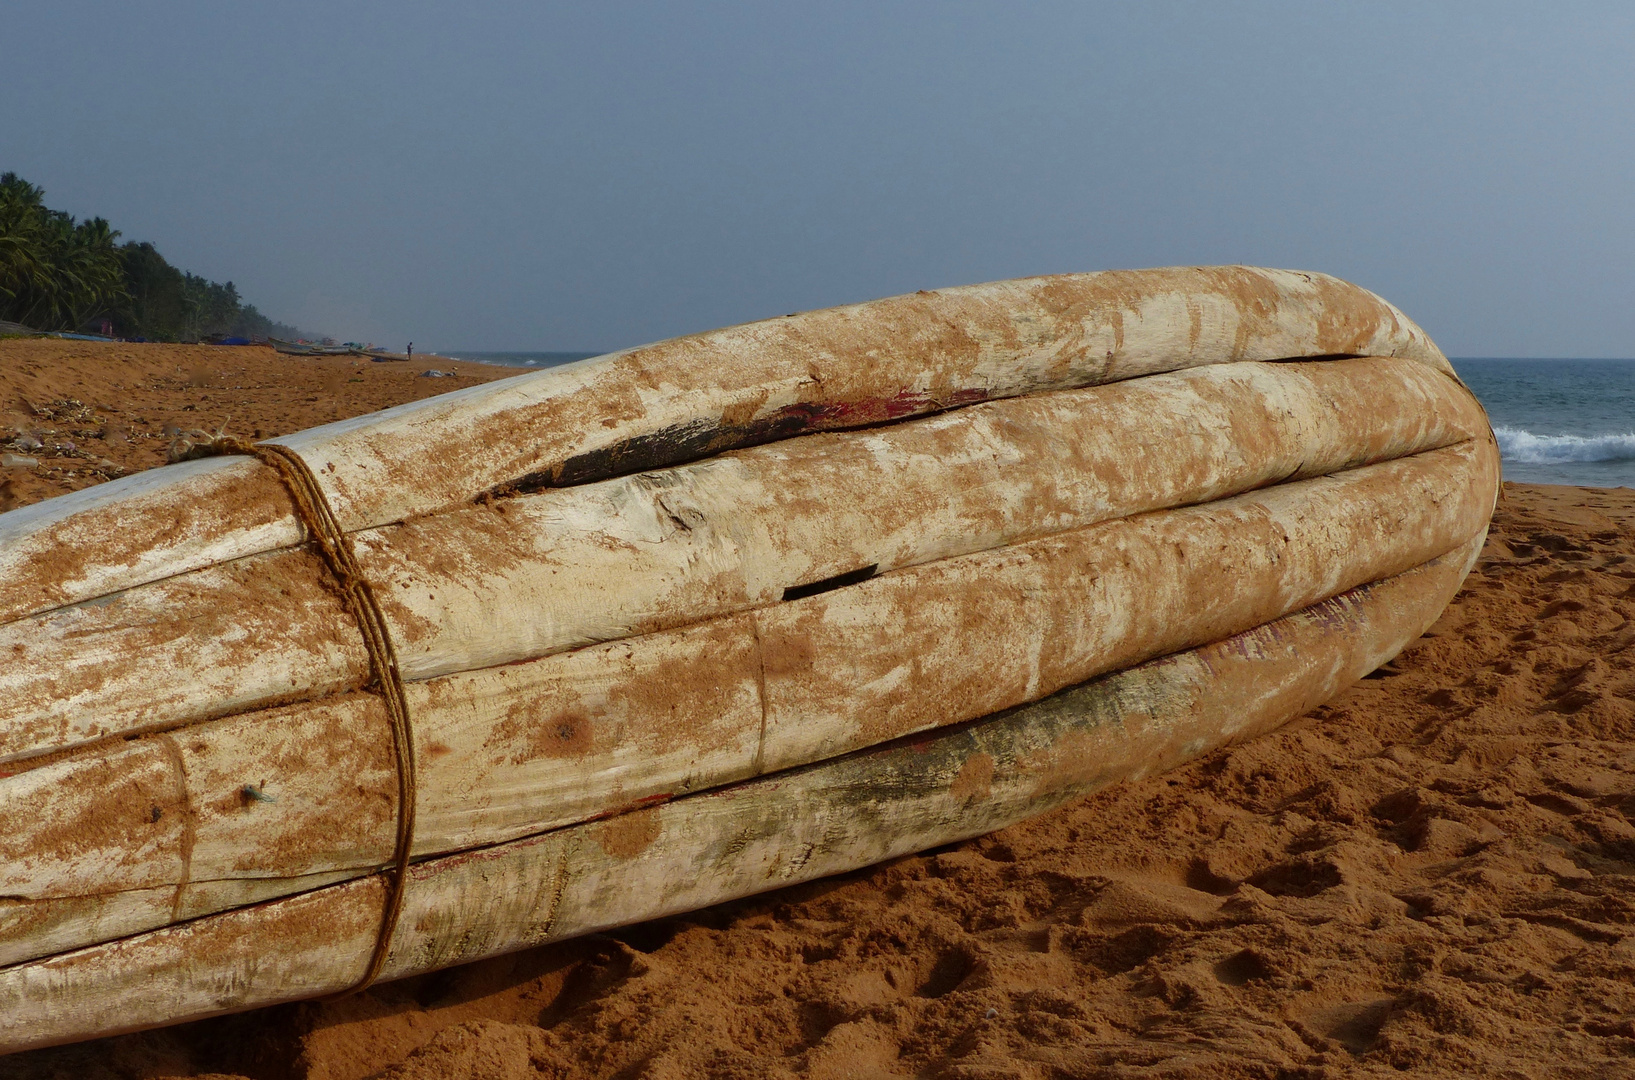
[1432, 876]
[99, 410]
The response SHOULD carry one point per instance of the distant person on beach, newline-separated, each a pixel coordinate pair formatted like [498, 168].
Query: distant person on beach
[410, 353]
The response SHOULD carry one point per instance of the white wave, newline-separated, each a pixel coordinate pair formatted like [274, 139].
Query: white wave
[1523, 447]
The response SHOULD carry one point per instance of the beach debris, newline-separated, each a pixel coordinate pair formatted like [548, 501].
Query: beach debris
[433, 373]
[26, 448]
[64, 411]
[192, 443]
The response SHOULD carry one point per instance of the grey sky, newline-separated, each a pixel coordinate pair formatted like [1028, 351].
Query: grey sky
[587, 176]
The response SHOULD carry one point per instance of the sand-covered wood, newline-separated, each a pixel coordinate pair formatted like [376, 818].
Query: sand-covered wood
[1284, 855]
[513, 750]
[691, 397]
[535, 575]
[704, 848]
[965, 637]
[662, 652]
[524, 577]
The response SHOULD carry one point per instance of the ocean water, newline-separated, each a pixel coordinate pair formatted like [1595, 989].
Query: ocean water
[1559, 421]
[517, 359]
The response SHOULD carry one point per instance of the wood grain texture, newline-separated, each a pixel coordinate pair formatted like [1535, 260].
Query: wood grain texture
[308, 788]
[965, 637]
[691, 397]
[488, 585]
[760, 834]
[1034, 536]
[535, 575]
[240, 635]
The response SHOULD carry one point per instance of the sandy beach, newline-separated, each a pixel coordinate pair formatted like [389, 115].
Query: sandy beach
[1434, 875]
[114, 408]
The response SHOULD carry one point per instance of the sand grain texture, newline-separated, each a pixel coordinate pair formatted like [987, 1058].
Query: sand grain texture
[100, 410]
[1432, 876]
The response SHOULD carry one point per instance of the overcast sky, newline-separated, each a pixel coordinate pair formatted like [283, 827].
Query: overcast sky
[596, 175]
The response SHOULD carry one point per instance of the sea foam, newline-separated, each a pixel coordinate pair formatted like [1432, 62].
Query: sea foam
[1518, 445]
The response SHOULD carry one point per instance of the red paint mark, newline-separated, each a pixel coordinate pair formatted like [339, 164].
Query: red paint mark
[640, 804]
[808, 416]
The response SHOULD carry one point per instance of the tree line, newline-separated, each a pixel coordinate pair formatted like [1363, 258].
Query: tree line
[60, 274]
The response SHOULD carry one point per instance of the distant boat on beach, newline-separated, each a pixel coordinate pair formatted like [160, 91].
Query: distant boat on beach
[302, 348]
[617, 640]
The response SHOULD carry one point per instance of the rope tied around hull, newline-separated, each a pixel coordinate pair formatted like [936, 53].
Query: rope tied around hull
[324, 532]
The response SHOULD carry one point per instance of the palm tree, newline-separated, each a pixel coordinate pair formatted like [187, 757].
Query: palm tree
[55, 273]
[60, 274]
[23, 272]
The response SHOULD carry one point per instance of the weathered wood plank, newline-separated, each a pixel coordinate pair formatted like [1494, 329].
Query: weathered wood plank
[517, 749]
[268, 803]
[94, 823]
[761, 834]
[139, 528]
[661, 404]
[241, 635]
[537, 575]
[484, 586]
[585, 733]
[965, 637]
[845, 367]
[30, 929]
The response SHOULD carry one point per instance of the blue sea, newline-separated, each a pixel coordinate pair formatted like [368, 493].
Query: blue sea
[1559, 421]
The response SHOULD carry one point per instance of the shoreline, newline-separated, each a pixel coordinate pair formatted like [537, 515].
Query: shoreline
[1433, 875]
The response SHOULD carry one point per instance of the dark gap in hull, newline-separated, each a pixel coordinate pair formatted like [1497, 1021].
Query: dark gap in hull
[1319, 359]
[838, 581]
[694, 440]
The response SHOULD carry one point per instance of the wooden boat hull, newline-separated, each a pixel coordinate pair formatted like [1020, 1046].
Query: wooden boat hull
[1033, 537]
[764, 834]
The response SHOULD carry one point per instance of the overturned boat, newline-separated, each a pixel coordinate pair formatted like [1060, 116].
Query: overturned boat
[662, 628]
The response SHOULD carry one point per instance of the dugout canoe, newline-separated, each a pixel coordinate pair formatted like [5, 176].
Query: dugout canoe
[695, 620]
